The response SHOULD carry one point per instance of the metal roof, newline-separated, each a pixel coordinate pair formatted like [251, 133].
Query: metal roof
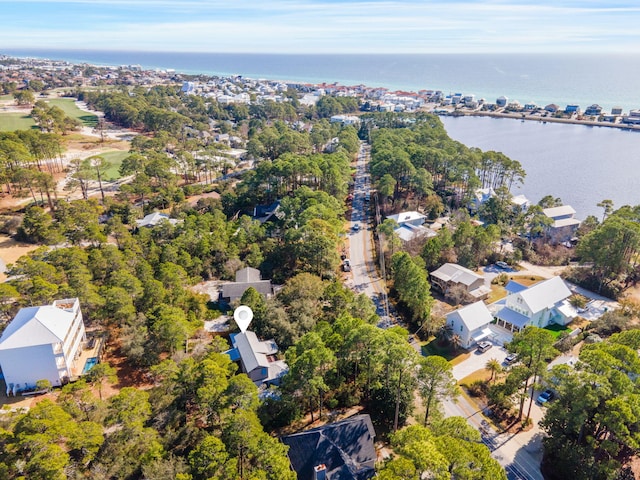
[473, 316]
[32, 326]
[545, 294]
[451, 272]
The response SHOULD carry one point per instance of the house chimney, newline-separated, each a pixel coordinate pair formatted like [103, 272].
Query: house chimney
[320, 472]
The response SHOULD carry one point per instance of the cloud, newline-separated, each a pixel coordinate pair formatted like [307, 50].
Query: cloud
[322, 25]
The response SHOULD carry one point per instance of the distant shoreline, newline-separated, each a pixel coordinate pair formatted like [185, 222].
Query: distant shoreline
[531, 118]
[567, 78]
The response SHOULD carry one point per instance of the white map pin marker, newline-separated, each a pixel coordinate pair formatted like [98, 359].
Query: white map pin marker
[243, 316]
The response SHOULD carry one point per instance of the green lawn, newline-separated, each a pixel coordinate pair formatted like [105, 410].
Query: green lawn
[68, 106]
[556, 329]
[115, 157]
[435, 348]
[15, 121]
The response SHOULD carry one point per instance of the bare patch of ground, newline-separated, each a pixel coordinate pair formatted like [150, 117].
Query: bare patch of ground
[10, 251]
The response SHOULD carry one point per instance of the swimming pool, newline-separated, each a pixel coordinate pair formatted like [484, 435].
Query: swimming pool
[88, 365]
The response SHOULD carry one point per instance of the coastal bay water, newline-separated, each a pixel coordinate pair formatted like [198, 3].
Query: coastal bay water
[583, 79]
[580, 164]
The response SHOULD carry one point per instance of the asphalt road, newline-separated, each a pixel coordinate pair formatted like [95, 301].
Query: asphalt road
[508, 449]
[364, 276]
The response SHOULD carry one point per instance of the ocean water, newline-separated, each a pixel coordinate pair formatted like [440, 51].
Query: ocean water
[580, 164]
[583, 79]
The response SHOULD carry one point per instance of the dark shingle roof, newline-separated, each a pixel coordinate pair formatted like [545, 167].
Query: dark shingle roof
[345, 448]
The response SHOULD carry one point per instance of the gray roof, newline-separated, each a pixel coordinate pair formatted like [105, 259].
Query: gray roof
[451, 272]
[473, 316]
[408, 232]
[545, 294]
[566, 222]
[235, 290]
[513, 317]
[248, 274]
[560, 211]
[251, 352]
[254, 354]
[154, 219]
[345, 448]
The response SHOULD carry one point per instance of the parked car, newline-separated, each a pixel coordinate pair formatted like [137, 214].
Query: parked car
[484, 346]
[346, 265]
[502, 264]
[545, 397]
[512, 357]
[356, 227]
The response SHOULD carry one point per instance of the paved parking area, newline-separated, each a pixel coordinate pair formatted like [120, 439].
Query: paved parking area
[477, 361]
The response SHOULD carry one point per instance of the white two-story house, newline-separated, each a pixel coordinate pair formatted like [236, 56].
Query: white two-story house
[540, 305]
[42, 343]
[470, 323]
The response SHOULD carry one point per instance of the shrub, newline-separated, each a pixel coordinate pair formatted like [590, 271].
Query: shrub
[478, 388]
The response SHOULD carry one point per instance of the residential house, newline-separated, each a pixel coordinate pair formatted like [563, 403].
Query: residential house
[542, 304]
[633, 117]
[264, 213]
[451, 275]
[42, 343]
[594, 109]
[245, 278]
[480, 197]
[521, 203]
[410, 226]
[345, 119]
[571, 109]
[257, 359]
[564, 225]
[155, 219]
[341, 450]
[502, 101]
[408, 218]
[470, 323]
[552, 108]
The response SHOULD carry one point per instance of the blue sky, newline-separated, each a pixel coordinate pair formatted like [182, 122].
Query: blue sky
[324, 26]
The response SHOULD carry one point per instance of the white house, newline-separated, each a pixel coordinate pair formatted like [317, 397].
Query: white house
[413, 218]
[154, 219]
[42, 343]
[470, 323]
[540, 305]
[410, 226]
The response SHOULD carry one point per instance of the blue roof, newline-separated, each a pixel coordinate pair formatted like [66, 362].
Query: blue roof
[514, 287]
[234, 354]
[512, 317]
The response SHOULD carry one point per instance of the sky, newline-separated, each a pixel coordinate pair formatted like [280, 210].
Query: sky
[323, 26]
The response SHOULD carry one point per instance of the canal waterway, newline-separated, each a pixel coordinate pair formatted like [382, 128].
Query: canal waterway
[582, 165]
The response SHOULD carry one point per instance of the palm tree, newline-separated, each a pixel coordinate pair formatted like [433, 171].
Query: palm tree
[456, 341]
[494, 367]
[444, 333]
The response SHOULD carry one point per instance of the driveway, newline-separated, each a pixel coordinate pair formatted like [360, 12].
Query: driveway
[477, 361]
